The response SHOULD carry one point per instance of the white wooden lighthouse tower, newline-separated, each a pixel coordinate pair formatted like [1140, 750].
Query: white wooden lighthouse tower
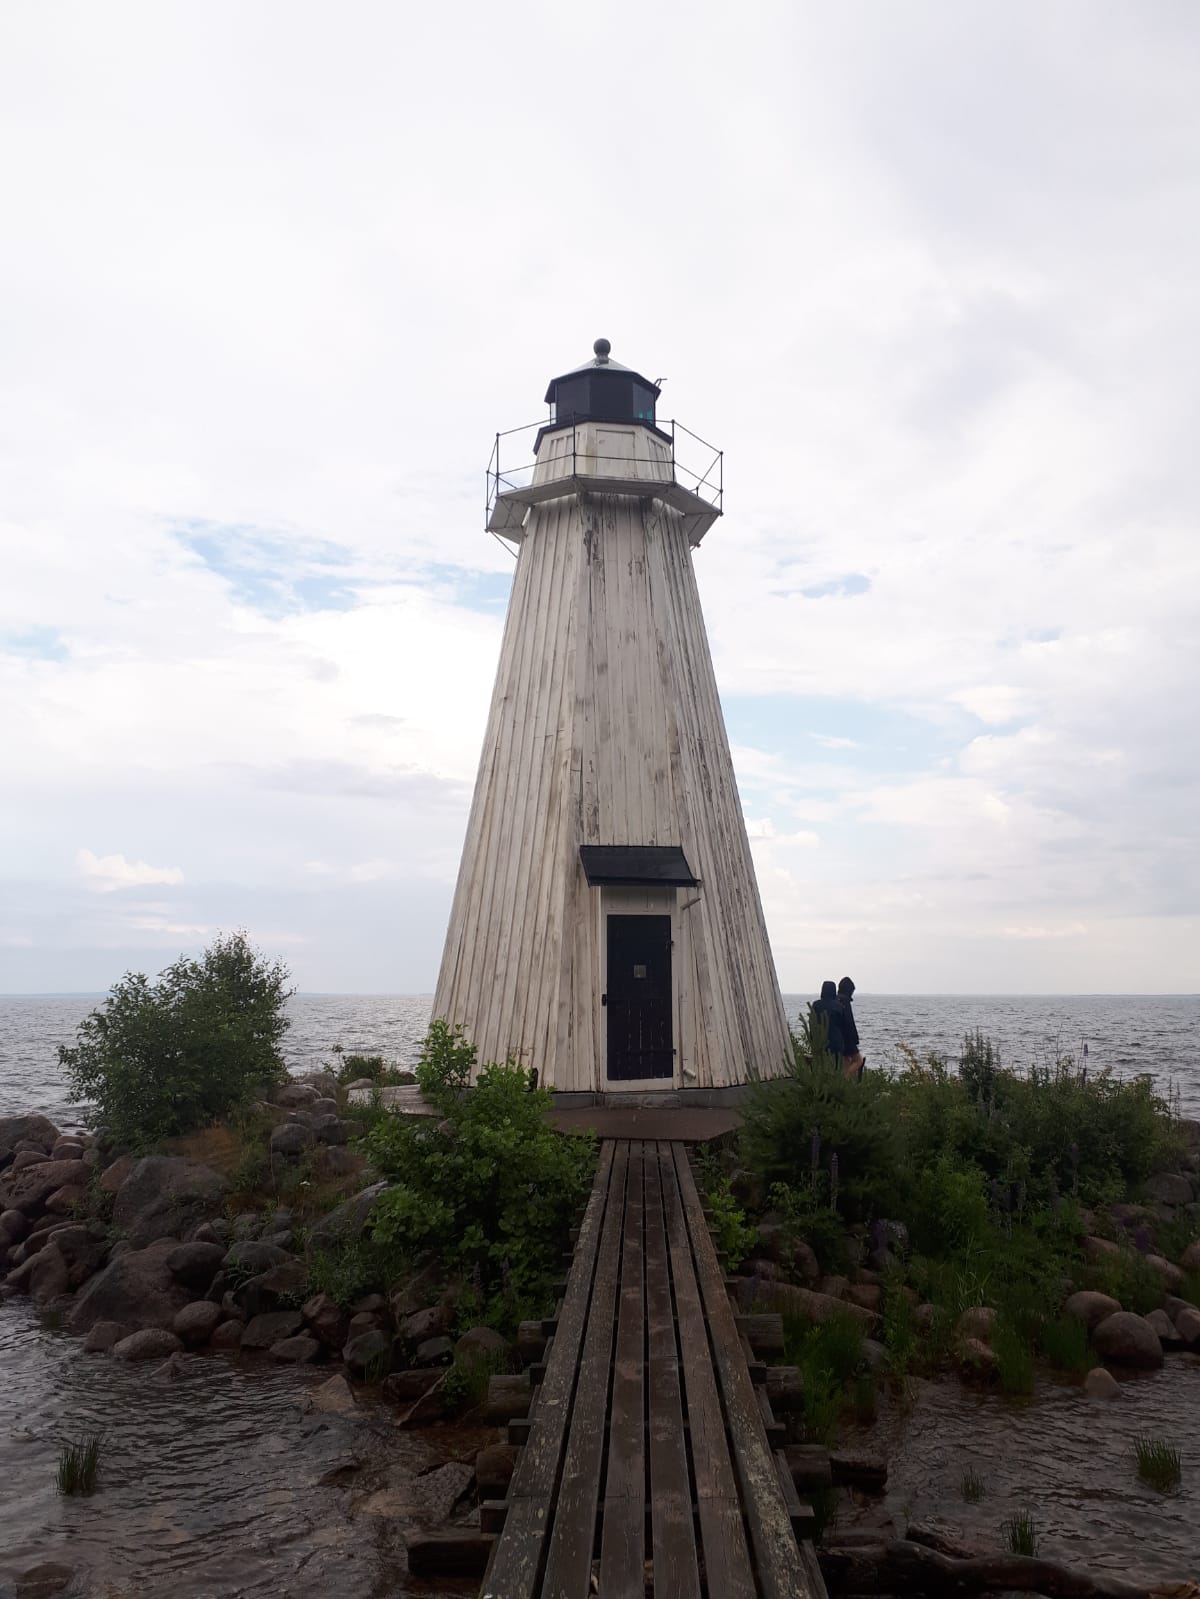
[606, 927]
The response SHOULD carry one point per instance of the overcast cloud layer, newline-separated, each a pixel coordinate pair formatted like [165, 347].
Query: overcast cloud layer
[273, 275]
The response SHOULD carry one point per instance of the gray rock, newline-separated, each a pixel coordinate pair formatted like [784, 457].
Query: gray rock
[298, 1350]
[977, 1358]
[324, 1107]
[335, 1396]
[326, 1320]
[435, 1494]
[403, 1387]
[246, 1226]
[1187, 1326]
[365, 1322]
[370, 1353]
[1170, 1188]
[26, 1129]
[73, 1149]
[196, 1264]
[428, 1323]
[1168, 1337]
[197, 1322]
[1091, 1308]
[14, 1224]
[280, 1288]
[213, 1232]
[790, 1300]
[104, 1335]
[434, 1352]
[295, 1094]
[263, 1331]
[227, 1335]
[50, 1278]
[254, 1257]
[113, 1175]
[1100, 1384]
[334, 1160]
[1190, 1259]
[31, 1188]
[1127, 1340]
[875, 1355]
[136, 1286]
[152, 1343]
[46, 1580]
[348, 1221]
[331, 1130]
[68, 1200]
[481, 1343]
[25, 1157]
[165, 1196]
[290, 1141]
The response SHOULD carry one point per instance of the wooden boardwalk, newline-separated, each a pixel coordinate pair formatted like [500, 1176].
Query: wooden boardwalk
[647, 1466]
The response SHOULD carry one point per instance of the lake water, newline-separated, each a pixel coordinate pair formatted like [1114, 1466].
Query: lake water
[1127, 1033]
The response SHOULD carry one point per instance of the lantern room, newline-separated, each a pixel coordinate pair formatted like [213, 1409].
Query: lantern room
[602, 390]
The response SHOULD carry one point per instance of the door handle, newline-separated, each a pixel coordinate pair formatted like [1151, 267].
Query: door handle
[604, 999]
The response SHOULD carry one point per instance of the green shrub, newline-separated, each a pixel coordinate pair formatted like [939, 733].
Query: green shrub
[160, 1059]
[732, 1233]
[353, 1270]
[1128, 1277]
[806, 1218]
[486, 1185]
[465, 1385]
[829, 1355]
[78, 1464]
[899, 1328]
[353, 1067]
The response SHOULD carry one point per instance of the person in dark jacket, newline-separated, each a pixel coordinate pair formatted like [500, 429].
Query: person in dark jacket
[854, 1062]
[828, 1008]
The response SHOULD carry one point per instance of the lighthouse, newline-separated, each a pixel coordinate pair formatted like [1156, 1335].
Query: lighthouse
[606, 926]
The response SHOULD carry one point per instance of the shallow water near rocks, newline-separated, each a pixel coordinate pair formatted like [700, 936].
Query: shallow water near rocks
[212, 1483]
[1067, 1459]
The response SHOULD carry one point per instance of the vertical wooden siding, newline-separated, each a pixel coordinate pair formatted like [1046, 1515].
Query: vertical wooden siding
[605, 728]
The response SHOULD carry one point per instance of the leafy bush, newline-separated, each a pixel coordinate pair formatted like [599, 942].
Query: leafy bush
[830, 1357]
[352, 1270]
[806, 1218]
[486, 1184]
[1128, 1277]
[733, 1235]
[160, 1059]
[376, 1067]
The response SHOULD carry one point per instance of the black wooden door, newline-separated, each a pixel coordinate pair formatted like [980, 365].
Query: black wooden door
[639, 998]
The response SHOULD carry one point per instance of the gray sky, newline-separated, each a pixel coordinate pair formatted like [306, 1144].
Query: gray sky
[272, 276]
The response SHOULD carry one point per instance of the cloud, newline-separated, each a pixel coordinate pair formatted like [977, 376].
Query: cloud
[107, 873]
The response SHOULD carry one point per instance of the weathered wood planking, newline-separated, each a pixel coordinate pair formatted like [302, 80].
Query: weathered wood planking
[605, 727]
[781, 1571]
[623, 1546]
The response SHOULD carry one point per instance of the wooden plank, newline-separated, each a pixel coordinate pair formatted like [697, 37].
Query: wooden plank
[517, 1561]
[572, 1537]
[672, 1534]
[781, 1573]
[722, 1536]
[623, 1547]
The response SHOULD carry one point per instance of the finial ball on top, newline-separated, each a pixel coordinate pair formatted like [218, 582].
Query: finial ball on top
[602, 348]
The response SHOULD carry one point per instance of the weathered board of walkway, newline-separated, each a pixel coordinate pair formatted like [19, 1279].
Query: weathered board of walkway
[646, 1463]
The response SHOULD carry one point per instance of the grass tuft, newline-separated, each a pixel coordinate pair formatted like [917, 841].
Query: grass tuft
[971, 1486]
[1065, 1344]
[1158, 1463]
[78, 1464]
[1020, 1533]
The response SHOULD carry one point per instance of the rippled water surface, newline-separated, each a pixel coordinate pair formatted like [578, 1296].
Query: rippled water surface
[1064, 1457]
[1128, 1033]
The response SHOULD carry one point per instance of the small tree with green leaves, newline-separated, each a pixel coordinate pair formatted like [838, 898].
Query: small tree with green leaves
[160, 1059]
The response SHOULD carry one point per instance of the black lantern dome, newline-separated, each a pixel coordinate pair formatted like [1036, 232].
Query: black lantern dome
[602, 390]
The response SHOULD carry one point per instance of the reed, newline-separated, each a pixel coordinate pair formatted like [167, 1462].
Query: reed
[78, 1464]
[1158, 1463]
[971, 1486]
[1020, 1533]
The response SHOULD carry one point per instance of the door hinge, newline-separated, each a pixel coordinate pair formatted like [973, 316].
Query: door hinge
[604, 999]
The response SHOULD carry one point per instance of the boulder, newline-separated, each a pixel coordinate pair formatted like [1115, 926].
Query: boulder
[1097, 1250]
[1091, 1308]
[434, 1352]
[280, 1288]
[290, 1141]
[334, 1160]
[27, 1129]
[296, 1094]
[331, 1130]
[790, 1300]
[494, 1467]
[977, 1358]
[31, 1188]
[1127, 1340]
[25, 1157]
[136, 1286]
[212, 1232]
[326, 1320]
[82, 1250]
[70, 1149]
[403, 1387]
[325, 1106]
[263, 1331]
[1170, 1188]
[371, 1352]
[1187, 1326]
[68, 1199]
[348, 1222]
[196, 1264]
[253, 1257]
[298, 1350]
[197, 1322]
[114, 1175]
[1190, 1259]
[48, 1580]
[365, 1322]
[104, 1335]
[14, 1224]
[335, 1396]
[1170, 1276]
[1168, 1337]
[868, 1295]
[152, 1343]
[428, 1323]
[165, 1196]
[49, 1277]
[435, 1495]
[1101, 1384]
[924, 1317]
[227, 1335]
[481, 1343]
